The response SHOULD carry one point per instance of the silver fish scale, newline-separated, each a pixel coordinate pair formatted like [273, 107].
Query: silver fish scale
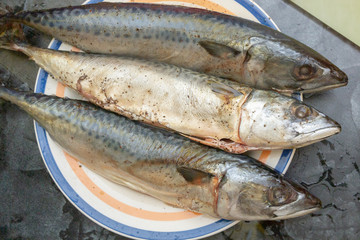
[117, 133]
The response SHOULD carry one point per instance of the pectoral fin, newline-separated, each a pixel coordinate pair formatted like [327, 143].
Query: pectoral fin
[195, 176]
[219, 50]
[224, 90]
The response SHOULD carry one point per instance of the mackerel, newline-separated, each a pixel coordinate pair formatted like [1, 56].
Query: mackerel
[214, 111]
[206, 41]
[166, 166]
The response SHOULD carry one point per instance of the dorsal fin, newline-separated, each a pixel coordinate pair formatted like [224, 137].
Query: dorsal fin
[219, 50]
[194, 176]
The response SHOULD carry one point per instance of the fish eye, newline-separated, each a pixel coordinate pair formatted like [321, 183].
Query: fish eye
[281, 195]
[304, 71]
[301, 111]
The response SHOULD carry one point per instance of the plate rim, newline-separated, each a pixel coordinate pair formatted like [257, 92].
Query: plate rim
[89, 211]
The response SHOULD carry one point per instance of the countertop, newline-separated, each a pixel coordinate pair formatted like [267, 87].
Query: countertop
[32, 207]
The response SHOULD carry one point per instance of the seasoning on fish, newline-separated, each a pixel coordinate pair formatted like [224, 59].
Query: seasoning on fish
[166, 166]
[214, 111]
[206, 41]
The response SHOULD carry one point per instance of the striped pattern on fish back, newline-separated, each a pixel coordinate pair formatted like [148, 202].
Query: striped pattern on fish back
[139, 21]
[81, 119]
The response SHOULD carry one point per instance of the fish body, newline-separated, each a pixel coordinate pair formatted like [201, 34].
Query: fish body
[166, 166]
[205, 41]
[214, 111]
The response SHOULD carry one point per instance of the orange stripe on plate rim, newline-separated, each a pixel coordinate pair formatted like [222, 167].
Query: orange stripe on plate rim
[264, 156]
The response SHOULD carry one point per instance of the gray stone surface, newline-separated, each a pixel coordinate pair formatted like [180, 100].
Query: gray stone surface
[32, 207]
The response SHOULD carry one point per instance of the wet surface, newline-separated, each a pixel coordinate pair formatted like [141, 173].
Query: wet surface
[32, 207]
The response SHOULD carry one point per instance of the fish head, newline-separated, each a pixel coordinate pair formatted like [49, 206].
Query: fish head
[266, 196]
[270, 120]
[286, 65]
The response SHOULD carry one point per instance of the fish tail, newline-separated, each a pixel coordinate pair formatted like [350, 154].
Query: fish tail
[3, 90]
[4, 93]
[11, 95]
[5, 44]
[10, 86]
[12, 37]
[8, 15]
[10, 30]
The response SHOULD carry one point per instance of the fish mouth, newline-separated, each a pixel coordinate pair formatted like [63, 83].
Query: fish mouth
[310, 203]
[288, 92]
[338, 77]
[299, 213]
[323, 88]
[317, 135]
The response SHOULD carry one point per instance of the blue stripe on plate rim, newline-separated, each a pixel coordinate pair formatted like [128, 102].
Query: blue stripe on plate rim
[108, 223]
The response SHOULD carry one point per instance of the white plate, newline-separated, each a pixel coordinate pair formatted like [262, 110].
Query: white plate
[122, 210]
